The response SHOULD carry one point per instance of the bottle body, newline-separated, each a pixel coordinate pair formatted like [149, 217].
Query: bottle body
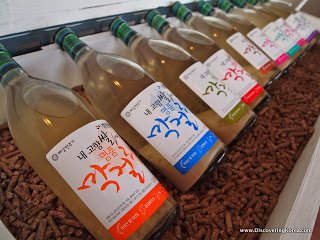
[132, 84]
[253, 33]
[282, 9]
[202, 48]
[223, 113]
[207, 52]
[275, 29]
[40, 116]
[225, 131]
[228, 39]
[280, 18]
[120, 90]
[295, 19]
[271, 16]
[259, 66]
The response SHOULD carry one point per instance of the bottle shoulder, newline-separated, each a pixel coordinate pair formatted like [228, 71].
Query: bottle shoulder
[36, 105]
[244, 10]
[190, 35]
[110, 66]
[218, 23]
[252, 15]
[279, 4]
[237, 20]
[154, 48]
[47, 98]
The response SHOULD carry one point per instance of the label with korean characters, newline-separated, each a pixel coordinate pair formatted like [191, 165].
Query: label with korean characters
[302, 26]
[228, 71]
[268, 46]
[250, 52]
[285, 27]
[98, 166]
[213, 92]
[282, 39]
[172, 129]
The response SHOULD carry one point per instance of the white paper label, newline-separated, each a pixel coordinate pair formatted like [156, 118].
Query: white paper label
[227, 70]
[283, 25]
[169, 126]
[213, 92]
[104, 173]
[266, 44]
[301, 25]
[279, 37]
[248, 50]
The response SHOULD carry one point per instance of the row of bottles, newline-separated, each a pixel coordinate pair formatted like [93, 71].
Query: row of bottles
[215, 59]
[180, 104]
[249, 56]
[82, 159]
[248, 29]
[288, 29]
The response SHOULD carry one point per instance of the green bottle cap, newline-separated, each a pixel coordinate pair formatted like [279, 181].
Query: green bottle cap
[239, 3]
[61, 34]
[122, 30]
[181, 11]
[6, 64]
[154, 19]
[223, 4]
[3, 50]
[205, 8]
[252, 2]
[68, 41]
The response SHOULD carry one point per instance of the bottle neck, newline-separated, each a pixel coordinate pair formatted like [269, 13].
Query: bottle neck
[158, 22]
[123, 31]
[239, 3]
[225, 5]
[182, 12]
[9, 69]
[263, 1]
[205, 8]
[74, 47]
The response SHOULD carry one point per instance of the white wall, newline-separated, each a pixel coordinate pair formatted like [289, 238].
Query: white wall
[22, 15]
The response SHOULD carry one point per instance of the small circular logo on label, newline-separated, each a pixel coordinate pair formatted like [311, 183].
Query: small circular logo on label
[55, 157]
[185, 76]
[128, 114]
[208, 64]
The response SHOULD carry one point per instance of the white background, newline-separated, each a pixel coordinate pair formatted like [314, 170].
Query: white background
[22, 15]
